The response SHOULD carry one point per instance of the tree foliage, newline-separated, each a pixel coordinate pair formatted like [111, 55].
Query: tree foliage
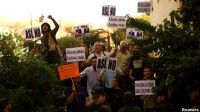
[93, 37]
[118, 35]
[177, 42]
[69, 42]
[27, 81]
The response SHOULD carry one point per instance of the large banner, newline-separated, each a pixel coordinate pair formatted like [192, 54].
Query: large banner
[108, 10]
[134, 33]
[75, 54]
[144, 7]
[144, 87]
[68, 71]
[32, 33]
[117, 21]
[107, 63]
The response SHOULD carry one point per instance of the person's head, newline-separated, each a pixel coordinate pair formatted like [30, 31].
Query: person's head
[194, 91]
[5, 105]
[148, 72]
[94, 61]
[136, 49]
[123, 45]
[128, 98]
[45, 27]
[117, 82]
[130, 48]
[87, 52]
[98, 95]
[98, 47]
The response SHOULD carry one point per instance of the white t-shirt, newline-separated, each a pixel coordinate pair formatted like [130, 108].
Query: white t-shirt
[92, 78]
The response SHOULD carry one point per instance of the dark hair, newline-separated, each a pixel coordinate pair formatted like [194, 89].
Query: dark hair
[128, 98]
[97, 90]
[3, 103]
[94, 57]
[120, 80]
[47, 25]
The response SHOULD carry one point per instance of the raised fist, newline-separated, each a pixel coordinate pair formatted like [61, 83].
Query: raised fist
[50, 17]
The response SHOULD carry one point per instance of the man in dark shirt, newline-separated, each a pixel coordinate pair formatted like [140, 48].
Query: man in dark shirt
[77, 96]
[99, 103]
[128, 100]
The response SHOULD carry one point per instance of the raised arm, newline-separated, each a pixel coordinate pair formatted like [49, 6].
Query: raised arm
[55, 23]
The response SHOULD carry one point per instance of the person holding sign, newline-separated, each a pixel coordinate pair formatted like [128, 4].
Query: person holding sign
[149, 101]
[50, 49]
[76, 96]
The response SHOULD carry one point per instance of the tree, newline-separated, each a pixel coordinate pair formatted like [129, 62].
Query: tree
[29, 82]
[91, 38]
[69, 42]
[118, 35]
[177, 42]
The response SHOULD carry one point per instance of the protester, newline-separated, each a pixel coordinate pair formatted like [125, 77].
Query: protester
[99, 103]
[129, 105]
[136, 64]
[5, 105]
[149, 101]
[50, 48]
[122, 56]
[92, 75]
[98, 51]
[116, 96]
[76, 96]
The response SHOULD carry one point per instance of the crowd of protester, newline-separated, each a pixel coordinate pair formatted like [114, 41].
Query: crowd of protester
[90, 92]
[93, 94]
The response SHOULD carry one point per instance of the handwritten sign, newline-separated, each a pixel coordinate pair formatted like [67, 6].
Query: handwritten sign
[108, 10]
[83, 29]
[32, 33]
[144, 7]
[68, 71]
[144, 87]
[111, 64]
[75, 54]
[117, 21]
[134, 33]
[101, 62]
[108, 63]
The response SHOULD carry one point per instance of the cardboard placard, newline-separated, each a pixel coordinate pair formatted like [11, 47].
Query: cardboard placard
[144, 87]
[68, 71]
[75, 54]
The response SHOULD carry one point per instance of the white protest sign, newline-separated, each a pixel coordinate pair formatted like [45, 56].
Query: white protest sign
[29, 34]
[32, 33]
[107, 63]
[117, 21]
[75, 54]
[111, 64]
[144, 87]
[105, 10]
[83, 29]
[134, 33]
[108, 10]
[112, 10]
[101, 62]
[144, 7]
